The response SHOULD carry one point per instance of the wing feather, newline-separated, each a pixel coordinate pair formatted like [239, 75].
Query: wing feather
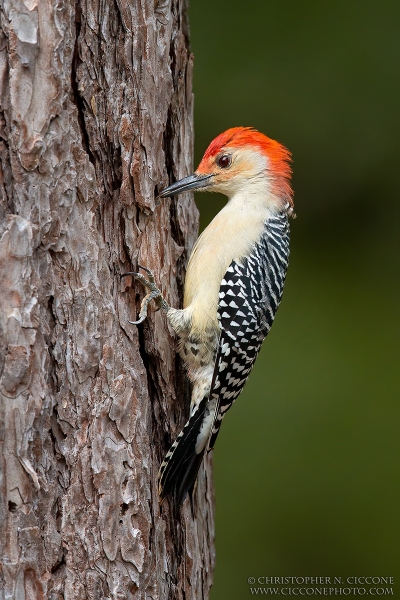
[249, 297]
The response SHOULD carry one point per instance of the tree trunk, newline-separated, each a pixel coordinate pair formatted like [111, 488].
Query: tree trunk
[96, 111]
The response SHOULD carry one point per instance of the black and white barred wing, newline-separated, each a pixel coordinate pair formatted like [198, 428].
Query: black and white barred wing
[248, 300]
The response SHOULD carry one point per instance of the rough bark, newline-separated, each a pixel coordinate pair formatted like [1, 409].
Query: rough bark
[96, 116]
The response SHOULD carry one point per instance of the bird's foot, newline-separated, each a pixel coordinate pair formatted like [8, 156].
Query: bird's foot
[154, 293]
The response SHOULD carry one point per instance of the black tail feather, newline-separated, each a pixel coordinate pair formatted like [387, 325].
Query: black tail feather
[178, 473]
[188, 476]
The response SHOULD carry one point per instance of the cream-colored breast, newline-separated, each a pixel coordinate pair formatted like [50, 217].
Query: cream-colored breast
[230, 235]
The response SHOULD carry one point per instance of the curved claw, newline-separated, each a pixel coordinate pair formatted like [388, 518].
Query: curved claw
[148, 271]
[143, 310]
[142, 318]
[149, 283]
[154, 293]
[126, 274]
[139, 276]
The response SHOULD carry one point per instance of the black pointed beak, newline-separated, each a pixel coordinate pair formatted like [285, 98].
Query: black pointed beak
[193, 182]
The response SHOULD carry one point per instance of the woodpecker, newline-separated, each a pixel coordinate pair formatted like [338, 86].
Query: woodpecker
[233, 287]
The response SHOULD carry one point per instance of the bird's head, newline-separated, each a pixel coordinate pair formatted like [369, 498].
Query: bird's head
[241, 160]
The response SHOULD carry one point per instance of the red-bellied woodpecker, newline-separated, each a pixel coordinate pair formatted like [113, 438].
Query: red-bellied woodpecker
[234, 283]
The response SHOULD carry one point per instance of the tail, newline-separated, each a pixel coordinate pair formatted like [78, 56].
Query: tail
[178, 472]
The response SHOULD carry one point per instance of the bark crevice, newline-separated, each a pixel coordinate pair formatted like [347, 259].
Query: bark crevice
[77, 98]
[95, 118]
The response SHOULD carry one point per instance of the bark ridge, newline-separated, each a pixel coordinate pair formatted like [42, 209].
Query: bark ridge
[95, 114]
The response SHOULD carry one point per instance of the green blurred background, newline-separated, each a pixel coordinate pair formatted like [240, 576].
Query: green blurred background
[306, 465]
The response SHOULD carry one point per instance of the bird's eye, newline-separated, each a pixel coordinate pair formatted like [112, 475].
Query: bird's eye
[224, 161]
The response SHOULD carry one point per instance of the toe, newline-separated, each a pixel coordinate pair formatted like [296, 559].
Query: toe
[148, 271]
